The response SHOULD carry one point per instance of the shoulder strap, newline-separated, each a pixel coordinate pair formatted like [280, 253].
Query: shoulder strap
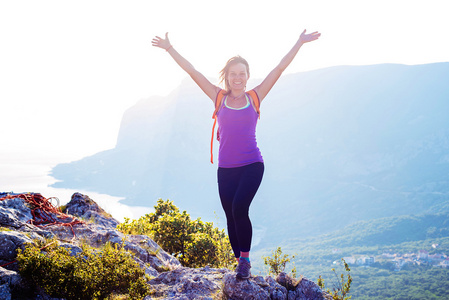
[218, 102]
[256, 101]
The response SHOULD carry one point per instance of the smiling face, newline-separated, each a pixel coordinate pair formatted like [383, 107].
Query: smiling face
[237, 76]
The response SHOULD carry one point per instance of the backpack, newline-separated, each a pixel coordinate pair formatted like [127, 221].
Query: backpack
[218, 102]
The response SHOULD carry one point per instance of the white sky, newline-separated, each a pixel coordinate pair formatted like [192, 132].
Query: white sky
[69, 69]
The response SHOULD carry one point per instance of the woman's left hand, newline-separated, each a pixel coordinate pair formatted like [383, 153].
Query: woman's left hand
[305, 38]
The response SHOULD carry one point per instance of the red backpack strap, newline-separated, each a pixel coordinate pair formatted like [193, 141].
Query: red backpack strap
[218, 102]
[256, 101]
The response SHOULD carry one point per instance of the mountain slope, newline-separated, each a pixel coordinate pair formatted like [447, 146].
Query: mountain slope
[341, 145]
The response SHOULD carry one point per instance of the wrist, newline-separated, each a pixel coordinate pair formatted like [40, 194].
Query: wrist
[168, 48]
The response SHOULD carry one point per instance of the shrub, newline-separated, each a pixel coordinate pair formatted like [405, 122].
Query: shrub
[277, 262]
[341, 289]
[193, 242]
[91, 273]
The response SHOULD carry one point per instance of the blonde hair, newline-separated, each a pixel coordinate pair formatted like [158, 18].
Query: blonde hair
[224, 72]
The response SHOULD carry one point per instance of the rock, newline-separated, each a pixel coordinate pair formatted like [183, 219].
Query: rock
[5, 292]
[73, 249]
[307, 289]
[97, 230]
[16, 287]
[283, 288]
[150, 252]
[246, 289]
[188, 283]
[288, 282]
[14, 213]
[82, 206]
[9, 277]
[277, 291]
[144, 248]
[170, 279]
[302, 289]
[10, 241]
[11, 280]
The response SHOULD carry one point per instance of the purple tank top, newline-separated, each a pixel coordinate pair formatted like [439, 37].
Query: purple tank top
[238, 145]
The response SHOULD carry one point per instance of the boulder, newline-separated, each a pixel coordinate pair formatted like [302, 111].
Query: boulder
[188, 283]
[14, 213]
[283, 288]
[248, 289]
[5, 292]
[82, 206]
[302, 288]
[10, 241]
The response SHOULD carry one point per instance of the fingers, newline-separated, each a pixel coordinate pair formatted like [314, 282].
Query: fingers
[160, 42]
[157, 41]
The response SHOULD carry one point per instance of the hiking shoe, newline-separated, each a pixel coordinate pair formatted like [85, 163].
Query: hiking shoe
[243, 269]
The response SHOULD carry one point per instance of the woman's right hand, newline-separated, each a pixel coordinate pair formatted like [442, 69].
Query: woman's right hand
[161, 43]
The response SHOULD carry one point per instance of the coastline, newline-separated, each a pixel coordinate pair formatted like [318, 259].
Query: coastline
[25, 172]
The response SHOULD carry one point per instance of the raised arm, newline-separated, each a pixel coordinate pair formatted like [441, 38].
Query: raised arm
[266, 85]
[208, 88]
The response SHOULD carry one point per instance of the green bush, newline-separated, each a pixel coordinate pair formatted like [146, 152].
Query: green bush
[342, 287]
[193, 242]
[278, 261]
[90, 274]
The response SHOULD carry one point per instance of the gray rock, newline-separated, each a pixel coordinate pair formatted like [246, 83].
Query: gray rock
[11, 278]
[14, 213]
[188, 283]
[288, 282]
[73, 249]
[82, 206]
[152, 252]
[10, 241]
[16, 287]
[276, 291]
[301, 289]
[246, 289]
[307, 289]
[5, 292]
[283, 288]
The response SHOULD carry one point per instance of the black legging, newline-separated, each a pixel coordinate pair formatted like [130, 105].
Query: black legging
[237, 188]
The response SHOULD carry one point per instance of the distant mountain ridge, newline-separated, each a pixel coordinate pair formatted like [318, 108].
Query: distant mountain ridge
[340, 144]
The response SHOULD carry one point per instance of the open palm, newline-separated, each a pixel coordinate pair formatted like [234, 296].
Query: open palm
[305, 38]
[161, 43]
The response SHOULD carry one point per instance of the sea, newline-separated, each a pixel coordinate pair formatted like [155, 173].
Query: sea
[22, 172]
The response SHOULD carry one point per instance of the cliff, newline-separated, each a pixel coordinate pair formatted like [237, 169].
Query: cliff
[30, 218]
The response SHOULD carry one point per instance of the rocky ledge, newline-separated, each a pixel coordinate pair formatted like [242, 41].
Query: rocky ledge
[170, 279]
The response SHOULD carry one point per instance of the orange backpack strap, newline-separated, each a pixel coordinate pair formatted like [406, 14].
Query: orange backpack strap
[218, 102]
[256, 101]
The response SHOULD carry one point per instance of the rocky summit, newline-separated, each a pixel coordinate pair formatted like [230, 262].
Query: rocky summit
[83, 221]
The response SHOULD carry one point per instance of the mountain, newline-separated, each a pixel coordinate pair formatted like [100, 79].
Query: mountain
[341, 145]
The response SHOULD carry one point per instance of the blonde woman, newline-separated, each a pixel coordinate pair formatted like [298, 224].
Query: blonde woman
[240, 162]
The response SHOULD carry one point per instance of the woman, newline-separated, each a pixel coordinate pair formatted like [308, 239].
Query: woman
[240, 163]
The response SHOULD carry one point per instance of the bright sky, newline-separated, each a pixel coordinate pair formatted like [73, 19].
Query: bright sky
[69, 69]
